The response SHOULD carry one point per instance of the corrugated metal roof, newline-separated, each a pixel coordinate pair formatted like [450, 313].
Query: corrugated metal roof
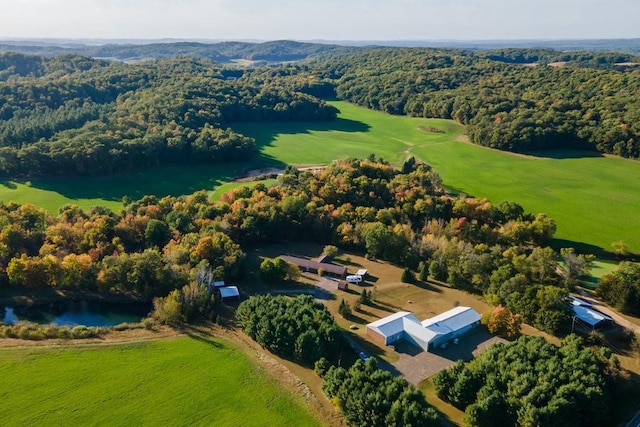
[578, 301]
[590, 316]
[392, 324]
[229, 292]
[452, 320]
[415, 329]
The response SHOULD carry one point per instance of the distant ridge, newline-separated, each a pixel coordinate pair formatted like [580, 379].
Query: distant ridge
[280, 50]
[226, 51]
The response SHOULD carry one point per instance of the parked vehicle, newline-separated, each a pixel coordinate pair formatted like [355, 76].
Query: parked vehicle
[354, 279]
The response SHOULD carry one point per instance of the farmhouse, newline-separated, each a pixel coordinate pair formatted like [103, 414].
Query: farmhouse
[311, 266]
[585, 313]
[429, 333]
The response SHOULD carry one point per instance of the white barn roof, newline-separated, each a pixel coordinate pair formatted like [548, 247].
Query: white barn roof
[362, 272]
[229, 292]
[393, 324]
[452, 320]
[579, 302]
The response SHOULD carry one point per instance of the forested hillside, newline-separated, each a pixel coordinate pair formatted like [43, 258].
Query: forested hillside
[510, 98]
[73, 115]
[272, 51]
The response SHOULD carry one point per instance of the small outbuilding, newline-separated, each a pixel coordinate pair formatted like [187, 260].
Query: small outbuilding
[343, 285]
[588, 315]
[362, 273]
[228, 292]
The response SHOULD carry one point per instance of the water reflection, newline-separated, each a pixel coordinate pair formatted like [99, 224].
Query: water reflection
[72, 313]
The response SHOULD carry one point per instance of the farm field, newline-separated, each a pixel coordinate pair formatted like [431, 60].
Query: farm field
[181, 381]
[594, 200]
[53, 193]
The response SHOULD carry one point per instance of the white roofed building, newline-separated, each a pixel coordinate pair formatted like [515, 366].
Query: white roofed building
[227, 292]
[427, 334]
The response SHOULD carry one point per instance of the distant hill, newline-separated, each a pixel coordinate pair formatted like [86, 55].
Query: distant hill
[273, 51]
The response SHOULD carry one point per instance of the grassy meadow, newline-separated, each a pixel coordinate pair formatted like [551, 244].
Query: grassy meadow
[181, 381]
[594, 200]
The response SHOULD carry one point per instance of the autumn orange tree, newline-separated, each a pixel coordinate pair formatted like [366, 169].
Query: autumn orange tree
[505, 323]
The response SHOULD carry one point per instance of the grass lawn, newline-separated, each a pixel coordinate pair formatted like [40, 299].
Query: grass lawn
[181, 381]
[594, 200]
[52, 193]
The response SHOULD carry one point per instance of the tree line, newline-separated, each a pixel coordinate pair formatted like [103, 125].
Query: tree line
[586, 101]
[67, 116]
[404, 216]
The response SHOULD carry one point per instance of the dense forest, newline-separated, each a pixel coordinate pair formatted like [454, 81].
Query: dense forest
[369, 396]
[158, 244]
[73, 115]
[533, 383]
[510, 99]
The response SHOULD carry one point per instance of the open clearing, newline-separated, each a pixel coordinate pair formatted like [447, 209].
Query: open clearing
[180, 381]
[594, 200]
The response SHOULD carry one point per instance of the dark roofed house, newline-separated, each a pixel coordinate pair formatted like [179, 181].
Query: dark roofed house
[311, 266]
[588, 315]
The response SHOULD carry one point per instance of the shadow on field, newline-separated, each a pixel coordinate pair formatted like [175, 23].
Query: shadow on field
[266, 133]
[8, 184]
[170, 180]
[563, 154]
[580, 247]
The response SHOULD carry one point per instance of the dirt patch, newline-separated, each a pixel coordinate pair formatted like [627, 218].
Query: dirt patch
[255, 173]
[431, 129]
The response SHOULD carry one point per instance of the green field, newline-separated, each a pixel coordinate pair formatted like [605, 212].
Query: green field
[181, 381]
[52, 193]
[594, 200]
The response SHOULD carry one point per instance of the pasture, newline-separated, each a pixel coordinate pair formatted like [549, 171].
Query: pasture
[181, 381]
[594, 200]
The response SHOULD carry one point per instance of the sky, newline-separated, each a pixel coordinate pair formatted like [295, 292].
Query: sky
[321, 19]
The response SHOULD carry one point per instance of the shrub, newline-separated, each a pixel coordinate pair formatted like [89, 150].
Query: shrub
[331, 251]
[408, 276]
[344, 309]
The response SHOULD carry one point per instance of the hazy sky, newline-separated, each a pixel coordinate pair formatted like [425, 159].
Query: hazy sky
[321, 19]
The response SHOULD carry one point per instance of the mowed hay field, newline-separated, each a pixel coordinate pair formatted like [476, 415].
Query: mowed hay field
[180, 381]
[594, 200]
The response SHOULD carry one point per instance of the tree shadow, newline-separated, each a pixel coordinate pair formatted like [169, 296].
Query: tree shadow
[265, 133]
[563, 154]
[8, 184]
[427, 286]
[170, 180]
[467, 344]
[202, 336]
[580, 247]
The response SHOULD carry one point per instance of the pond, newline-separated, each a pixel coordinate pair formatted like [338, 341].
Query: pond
[73, 313]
